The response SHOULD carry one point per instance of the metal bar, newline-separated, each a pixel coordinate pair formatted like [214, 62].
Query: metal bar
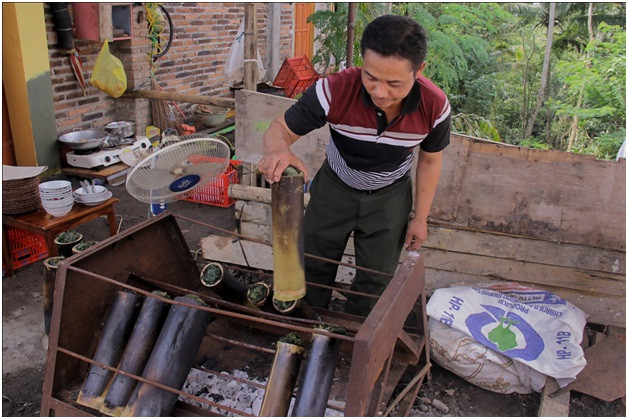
[215, 310]
[376, 403]
[405, 391]
[238, 343]
[144, 380]
[264, 242]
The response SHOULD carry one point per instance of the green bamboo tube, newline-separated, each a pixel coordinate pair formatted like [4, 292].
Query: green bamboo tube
[283, 376]
[287, 215]
[115, 333]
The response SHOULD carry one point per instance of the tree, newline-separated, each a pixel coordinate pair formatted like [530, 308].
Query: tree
[545, 73]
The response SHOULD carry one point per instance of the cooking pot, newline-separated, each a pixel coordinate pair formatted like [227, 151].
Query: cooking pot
[83, 139]
[122, 128]
[210, 116]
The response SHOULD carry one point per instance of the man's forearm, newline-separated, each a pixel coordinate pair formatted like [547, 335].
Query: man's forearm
[427, 176]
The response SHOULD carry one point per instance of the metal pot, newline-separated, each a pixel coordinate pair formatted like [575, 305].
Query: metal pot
[122, 128]
[83, 140]
[210, 116]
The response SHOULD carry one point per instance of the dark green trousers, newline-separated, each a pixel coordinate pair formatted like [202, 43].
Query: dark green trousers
[378, 220]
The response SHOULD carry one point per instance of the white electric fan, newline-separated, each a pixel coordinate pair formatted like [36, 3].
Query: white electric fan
[177, 169]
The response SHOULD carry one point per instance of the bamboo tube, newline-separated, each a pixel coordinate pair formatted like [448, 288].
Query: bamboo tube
[296, 308]
[287, 215]
[258, 295]
[114, 338]
[317, 378]
[223, 283]
[48, 288]
[171, 359]
[283, 375]
[136, 353]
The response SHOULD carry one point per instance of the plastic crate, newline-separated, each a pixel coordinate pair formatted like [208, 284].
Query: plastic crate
[25, 247]
[216, 193]
[296, 75]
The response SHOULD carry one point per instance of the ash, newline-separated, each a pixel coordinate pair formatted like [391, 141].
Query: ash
[229, 393]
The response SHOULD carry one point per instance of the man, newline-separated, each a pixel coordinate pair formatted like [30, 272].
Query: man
[377, 115]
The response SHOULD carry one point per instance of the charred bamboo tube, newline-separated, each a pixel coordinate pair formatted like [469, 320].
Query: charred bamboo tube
[136, 353]
[171, 359]
[223, 283]
[287, 215]
[48, 290]
[296, 308]
[258, 295]
[283, 376]
[114, 338]
[317, 377]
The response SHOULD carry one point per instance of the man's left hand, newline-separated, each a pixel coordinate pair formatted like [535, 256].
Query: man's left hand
[416, 235]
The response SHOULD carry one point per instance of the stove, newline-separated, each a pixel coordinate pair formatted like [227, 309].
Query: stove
[104, 157]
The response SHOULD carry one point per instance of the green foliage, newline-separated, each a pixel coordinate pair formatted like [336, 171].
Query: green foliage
[487, 57]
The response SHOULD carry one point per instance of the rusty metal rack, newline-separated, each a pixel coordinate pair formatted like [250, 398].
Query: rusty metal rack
[377, 351]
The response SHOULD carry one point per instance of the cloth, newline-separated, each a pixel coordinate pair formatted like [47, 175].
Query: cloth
[334, 211]
[366, 151]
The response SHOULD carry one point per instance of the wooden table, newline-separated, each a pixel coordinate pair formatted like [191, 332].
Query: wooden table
[46, 225]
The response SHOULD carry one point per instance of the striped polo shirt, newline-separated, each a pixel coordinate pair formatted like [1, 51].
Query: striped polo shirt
[365, 151]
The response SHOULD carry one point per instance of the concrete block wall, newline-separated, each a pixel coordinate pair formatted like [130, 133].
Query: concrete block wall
[195, 62]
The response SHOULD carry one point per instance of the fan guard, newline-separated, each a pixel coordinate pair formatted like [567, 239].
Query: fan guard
[177, 169]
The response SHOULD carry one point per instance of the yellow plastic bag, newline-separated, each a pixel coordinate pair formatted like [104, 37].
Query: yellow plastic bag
[108, 74]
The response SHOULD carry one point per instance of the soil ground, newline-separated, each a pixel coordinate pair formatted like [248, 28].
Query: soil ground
[24, 343]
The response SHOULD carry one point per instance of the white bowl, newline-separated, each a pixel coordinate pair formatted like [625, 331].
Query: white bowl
[55, 197]
[57, 204]
[59, 212]
[55, 185]
[106, 196]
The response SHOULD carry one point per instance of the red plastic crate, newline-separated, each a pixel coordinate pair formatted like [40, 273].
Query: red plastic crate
[216, 193]
[296, 75]
[25, 247]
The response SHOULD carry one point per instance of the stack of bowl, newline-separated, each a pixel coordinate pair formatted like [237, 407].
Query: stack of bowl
[92, 195]
[56, 197]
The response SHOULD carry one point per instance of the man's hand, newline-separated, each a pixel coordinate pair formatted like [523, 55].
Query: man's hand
[416, 235]
[277, 155]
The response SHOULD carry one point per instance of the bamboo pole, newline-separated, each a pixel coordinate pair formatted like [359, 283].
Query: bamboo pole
[350, 33]
[250, 47]
[256, 194]
[283, 376]
[136, 353]
[181, 97]
[114, 338]
[288, 257]
[170, 360]
[223, 283]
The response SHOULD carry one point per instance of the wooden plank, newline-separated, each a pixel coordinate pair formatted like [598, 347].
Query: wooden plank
[553, 406]
[555, 196]
[254, 112]
[97, 174]
[519, 248]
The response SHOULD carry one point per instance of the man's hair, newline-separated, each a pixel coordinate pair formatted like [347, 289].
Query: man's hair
[396, 36]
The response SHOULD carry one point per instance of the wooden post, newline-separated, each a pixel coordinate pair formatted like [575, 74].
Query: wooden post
[250, 47]
[350, 34]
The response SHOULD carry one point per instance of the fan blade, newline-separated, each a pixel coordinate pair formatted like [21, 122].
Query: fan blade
[207, 170]
[169, 160]
[154, 178]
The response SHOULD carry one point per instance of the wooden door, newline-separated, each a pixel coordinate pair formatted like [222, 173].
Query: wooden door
[8, 151]
[303, 31]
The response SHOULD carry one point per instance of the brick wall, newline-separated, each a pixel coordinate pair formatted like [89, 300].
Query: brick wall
[195, 62]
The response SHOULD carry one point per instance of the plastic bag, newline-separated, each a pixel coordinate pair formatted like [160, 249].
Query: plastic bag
[108, 74]
[234, 66]
[479, 365]
[534, 327]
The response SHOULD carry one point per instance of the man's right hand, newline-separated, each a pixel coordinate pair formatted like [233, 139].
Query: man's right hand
[277, 154]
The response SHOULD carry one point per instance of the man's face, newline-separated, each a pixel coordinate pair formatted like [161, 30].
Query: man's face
[388, 80]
